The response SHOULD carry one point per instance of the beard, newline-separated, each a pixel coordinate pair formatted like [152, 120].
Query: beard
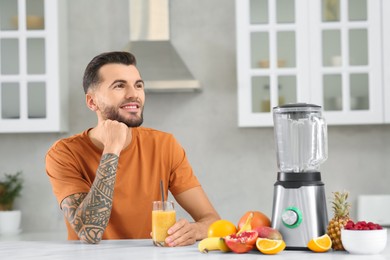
[112, 113]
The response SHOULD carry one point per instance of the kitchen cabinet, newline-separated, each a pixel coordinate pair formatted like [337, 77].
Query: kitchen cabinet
[326, 52]
[33, 87]
[386, 57]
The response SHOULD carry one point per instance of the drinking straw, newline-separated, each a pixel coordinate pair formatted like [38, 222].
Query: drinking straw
[162, 191]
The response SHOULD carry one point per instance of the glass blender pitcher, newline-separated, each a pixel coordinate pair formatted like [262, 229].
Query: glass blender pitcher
[301, 137]
[299, 206]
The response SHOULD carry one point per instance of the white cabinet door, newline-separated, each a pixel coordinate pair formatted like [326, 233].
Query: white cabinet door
[326, 52]
[345, 65]
[272, 57]
[33, 89]
[386, 57]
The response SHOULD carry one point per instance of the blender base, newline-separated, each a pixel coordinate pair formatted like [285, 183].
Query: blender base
[299, 208]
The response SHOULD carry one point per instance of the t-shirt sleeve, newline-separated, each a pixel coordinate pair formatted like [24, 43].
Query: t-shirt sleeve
[64, 172]
[182, 177]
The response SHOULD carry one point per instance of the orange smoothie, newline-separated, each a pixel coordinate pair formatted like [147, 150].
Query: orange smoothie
[161, 222]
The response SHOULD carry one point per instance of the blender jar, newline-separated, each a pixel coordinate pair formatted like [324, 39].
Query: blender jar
[301, 137]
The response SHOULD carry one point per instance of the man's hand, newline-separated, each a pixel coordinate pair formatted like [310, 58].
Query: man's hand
[182, 233]
[196, 203]
[113, 135]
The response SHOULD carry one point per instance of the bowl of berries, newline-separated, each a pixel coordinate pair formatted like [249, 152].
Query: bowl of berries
[363, 237]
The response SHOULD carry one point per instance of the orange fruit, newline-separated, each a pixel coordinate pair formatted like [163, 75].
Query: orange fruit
[270, 246]
[221, 228]
[320, 244]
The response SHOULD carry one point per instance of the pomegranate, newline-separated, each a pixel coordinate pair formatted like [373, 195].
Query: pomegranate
[241, 243]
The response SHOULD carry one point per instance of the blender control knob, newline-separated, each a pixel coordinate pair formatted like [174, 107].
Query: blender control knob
[292, 217]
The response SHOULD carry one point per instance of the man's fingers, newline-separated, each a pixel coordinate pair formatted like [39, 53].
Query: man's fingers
[182, 233]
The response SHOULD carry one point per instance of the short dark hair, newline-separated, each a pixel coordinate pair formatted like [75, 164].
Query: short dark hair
[91, 73]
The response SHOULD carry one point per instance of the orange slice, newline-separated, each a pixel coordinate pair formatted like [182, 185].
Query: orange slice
[270, 246]
[320, 244]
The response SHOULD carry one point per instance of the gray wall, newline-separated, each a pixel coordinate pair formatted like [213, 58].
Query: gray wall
[236, 166]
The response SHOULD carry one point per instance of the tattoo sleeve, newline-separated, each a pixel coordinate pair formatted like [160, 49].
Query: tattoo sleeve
[89, 213]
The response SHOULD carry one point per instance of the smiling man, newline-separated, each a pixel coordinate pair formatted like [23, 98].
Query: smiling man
[106, 177]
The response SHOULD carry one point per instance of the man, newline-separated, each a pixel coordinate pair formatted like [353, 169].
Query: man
[106, 177]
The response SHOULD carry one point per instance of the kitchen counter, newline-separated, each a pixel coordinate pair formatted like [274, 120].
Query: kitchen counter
[35, 236]
[144, 249]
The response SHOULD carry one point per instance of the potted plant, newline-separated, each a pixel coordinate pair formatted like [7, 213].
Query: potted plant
[10, 188]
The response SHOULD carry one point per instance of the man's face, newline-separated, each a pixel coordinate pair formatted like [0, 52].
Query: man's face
[120, 95]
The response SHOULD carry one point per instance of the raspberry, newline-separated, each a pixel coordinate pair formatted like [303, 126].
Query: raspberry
[362, 225]
[372, 226]
[349, 225]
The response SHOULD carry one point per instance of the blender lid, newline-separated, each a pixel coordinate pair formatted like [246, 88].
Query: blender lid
[297, 107]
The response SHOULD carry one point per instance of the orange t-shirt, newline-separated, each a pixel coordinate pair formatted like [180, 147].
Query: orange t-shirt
[152, 155]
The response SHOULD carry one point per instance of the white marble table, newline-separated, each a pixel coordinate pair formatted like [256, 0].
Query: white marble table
[35, 236]
[143, 249]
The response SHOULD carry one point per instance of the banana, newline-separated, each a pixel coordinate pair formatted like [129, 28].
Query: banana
[212, 243]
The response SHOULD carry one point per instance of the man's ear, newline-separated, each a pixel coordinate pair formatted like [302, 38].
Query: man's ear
[90, 100]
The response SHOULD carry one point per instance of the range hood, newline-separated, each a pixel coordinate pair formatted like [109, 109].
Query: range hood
[160, 65]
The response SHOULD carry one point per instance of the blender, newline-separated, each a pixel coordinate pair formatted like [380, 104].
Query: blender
[299, 203]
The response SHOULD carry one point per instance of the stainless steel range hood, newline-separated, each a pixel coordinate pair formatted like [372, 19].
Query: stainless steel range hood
[160, 65]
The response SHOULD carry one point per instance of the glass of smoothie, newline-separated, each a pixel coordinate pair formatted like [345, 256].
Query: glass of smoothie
[163, 217]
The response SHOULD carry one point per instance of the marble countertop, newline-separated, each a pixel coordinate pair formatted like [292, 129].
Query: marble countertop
[35, 236]
[144, 249]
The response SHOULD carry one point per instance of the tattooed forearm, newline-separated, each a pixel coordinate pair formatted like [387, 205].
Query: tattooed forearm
[89, 213]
